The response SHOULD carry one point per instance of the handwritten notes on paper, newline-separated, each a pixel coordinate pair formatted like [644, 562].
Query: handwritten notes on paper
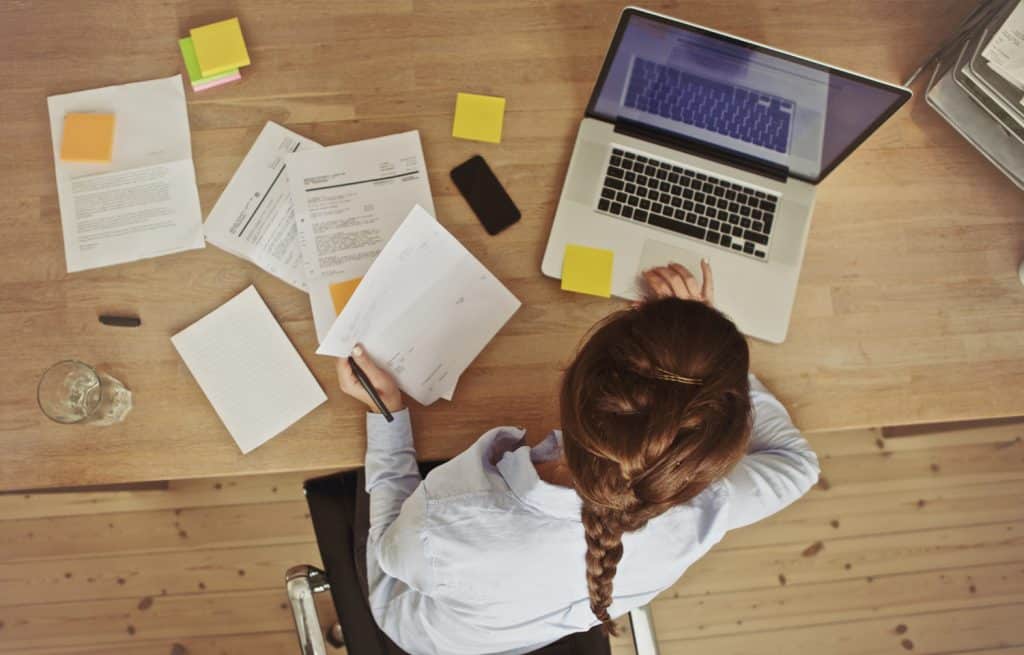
[424, 310]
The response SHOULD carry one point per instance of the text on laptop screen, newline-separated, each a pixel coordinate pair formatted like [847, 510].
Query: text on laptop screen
[734, 95]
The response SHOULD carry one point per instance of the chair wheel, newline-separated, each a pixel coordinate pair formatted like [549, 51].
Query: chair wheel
[335, 637]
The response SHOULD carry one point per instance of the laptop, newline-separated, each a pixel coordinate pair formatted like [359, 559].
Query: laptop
[698, 144]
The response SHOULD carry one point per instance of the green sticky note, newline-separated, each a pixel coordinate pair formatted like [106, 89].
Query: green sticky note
[195, 76]
[478, 118]
[588, 270]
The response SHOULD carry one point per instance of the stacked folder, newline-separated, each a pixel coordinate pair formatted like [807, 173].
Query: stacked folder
[214, 53]
[978, 99]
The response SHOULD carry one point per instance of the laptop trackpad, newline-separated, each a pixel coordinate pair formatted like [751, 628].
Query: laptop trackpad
[657, 253]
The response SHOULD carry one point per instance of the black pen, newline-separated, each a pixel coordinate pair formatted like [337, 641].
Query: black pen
[365, 381]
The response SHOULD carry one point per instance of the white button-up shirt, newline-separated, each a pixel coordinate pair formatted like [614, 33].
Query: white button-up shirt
[484, 557]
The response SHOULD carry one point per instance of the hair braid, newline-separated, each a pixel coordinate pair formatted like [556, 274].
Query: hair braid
[638, 444]
[604, 550]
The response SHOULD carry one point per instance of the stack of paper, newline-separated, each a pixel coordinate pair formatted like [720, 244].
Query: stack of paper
[317, 217]
[424, 310]
[249, 371]
[1005, 52]
[213, 54]
[254, 218]
[349, 200]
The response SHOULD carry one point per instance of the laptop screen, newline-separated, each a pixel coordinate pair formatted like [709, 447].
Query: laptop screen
[738, 96]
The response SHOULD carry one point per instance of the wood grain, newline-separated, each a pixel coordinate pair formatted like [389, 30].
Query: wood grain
[861, 567]
[908, 310]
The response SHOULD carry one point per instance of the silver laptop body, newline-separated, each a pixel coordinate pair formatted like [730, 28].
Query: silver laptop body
[698, 144]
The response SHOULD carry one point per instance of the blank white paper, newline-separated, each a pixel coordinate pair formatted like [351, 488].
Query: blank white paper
[248, 369]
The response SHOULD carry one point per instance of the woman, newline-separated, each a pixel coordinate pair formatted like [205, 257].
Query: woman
[666, 444]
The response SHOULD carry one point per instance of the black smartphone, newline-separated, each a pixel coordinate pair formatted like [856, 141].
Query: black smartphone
[485, 195]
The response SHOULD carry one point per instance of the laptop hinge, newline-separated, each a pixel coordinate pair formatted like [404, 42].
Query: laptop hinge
[701, 149]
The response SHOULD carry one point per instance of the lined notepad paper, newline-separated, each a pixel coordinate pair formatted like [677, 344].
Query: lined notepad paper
[250, 372]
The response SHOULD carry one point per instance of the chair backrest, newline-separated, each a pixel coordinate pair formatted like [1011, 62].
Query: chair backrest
[340, 527]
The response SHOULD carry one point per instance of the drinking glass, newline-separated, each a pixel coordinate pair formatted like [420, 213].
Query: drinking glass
[74, 392]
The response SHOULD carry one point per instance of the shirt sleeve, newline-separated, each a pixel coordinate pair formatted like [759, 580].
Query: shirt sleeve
[396, 560]
[778, 468]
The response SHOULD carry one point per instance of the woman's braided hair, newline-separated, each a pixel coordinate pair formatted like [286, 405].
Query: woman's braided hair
[655, 408]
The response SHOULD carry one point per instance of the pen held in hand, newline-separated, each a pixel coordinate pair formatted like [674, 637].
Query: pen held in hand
[370, 391]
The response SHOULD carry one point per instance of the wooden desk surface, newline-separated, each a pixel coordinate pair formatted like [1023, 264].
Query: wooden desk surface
[909, 308]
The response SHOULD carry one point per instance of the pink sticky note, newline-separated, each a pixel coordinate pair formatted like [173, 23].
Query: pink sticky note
[217, 82]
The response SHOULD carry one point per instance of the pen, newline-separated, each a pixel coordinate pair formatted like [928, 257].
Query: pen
[120, 321]
[365, 381]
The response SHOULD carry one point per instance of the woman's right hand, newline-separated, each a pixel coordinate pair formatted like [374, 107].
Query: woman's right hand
[676, 281]
[383, 383]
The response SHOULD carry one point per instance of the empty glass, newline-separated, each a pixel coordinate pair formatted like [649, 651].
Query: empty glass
[74, 392]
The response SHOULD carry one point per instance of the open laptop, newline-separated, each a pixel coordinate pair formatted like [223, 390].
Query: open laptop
[701, 144]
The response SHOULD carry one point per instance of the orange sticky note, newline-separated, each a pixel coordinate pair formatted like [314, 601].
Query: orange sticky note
[88, 138]
[341, 293]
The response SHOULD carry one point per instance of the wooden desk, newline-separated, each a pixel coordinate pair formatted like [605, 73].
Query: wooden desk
[909, 308]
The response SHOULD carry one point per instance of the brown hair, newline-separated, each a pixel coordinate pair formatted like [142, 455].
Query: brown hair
[638, 444]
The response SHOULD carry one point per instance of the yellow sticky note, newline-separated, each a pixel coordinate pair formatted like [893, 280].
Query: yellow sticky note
[588, 270]
[87, 138]
[219, 47]
[478, 118]
[342, 292]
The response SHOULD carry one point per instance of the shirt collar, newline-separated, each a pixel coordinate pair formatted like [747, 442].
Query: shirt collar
[517, 468]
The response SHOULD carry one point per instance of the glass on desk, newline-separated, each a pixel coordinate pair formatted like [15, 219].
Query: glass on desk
[74, 392]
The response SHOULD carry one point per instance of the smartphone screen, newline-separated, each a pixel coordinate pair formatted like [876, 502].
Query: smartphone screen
[485, 195]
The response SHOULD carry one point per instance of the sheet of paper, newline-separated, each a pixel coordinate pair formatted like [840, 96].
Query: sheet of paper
[349, 200]
[588, 270]
[341, 293]
[424, 310]
[254, 218]
[1006, 49]
[250, 372]
[478, 118]
[144, 203]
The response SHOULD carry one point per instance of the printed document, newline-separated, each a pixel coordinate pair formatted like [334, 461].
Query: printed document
[144, 203]
[248, 369]
[349, 200]
[424, 310]
[254, 218]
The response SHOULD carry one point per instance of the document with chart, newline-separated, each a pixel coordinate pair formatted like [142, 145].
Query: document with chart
[254, 218]
[424, 311]
[349, 200]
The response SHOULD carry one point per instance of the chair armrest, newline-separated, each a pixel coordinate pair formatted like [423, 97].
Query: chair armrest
[302, 582]
[641, 622]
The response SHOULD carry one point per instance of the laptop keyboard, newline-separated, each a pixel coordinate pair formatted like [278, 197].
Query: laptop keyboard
[750, 116]
[688, 202]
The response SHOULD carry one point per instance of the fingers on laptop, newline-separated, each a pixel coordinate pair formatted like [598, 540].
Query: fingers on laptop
[675, 280]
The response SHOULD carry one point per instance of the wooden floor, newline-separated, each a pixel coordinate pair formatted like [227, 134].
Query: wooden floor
[907, 544]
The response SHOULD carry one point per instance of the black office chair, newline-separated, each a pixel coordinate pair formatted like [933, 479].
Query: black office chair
[334, 510]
